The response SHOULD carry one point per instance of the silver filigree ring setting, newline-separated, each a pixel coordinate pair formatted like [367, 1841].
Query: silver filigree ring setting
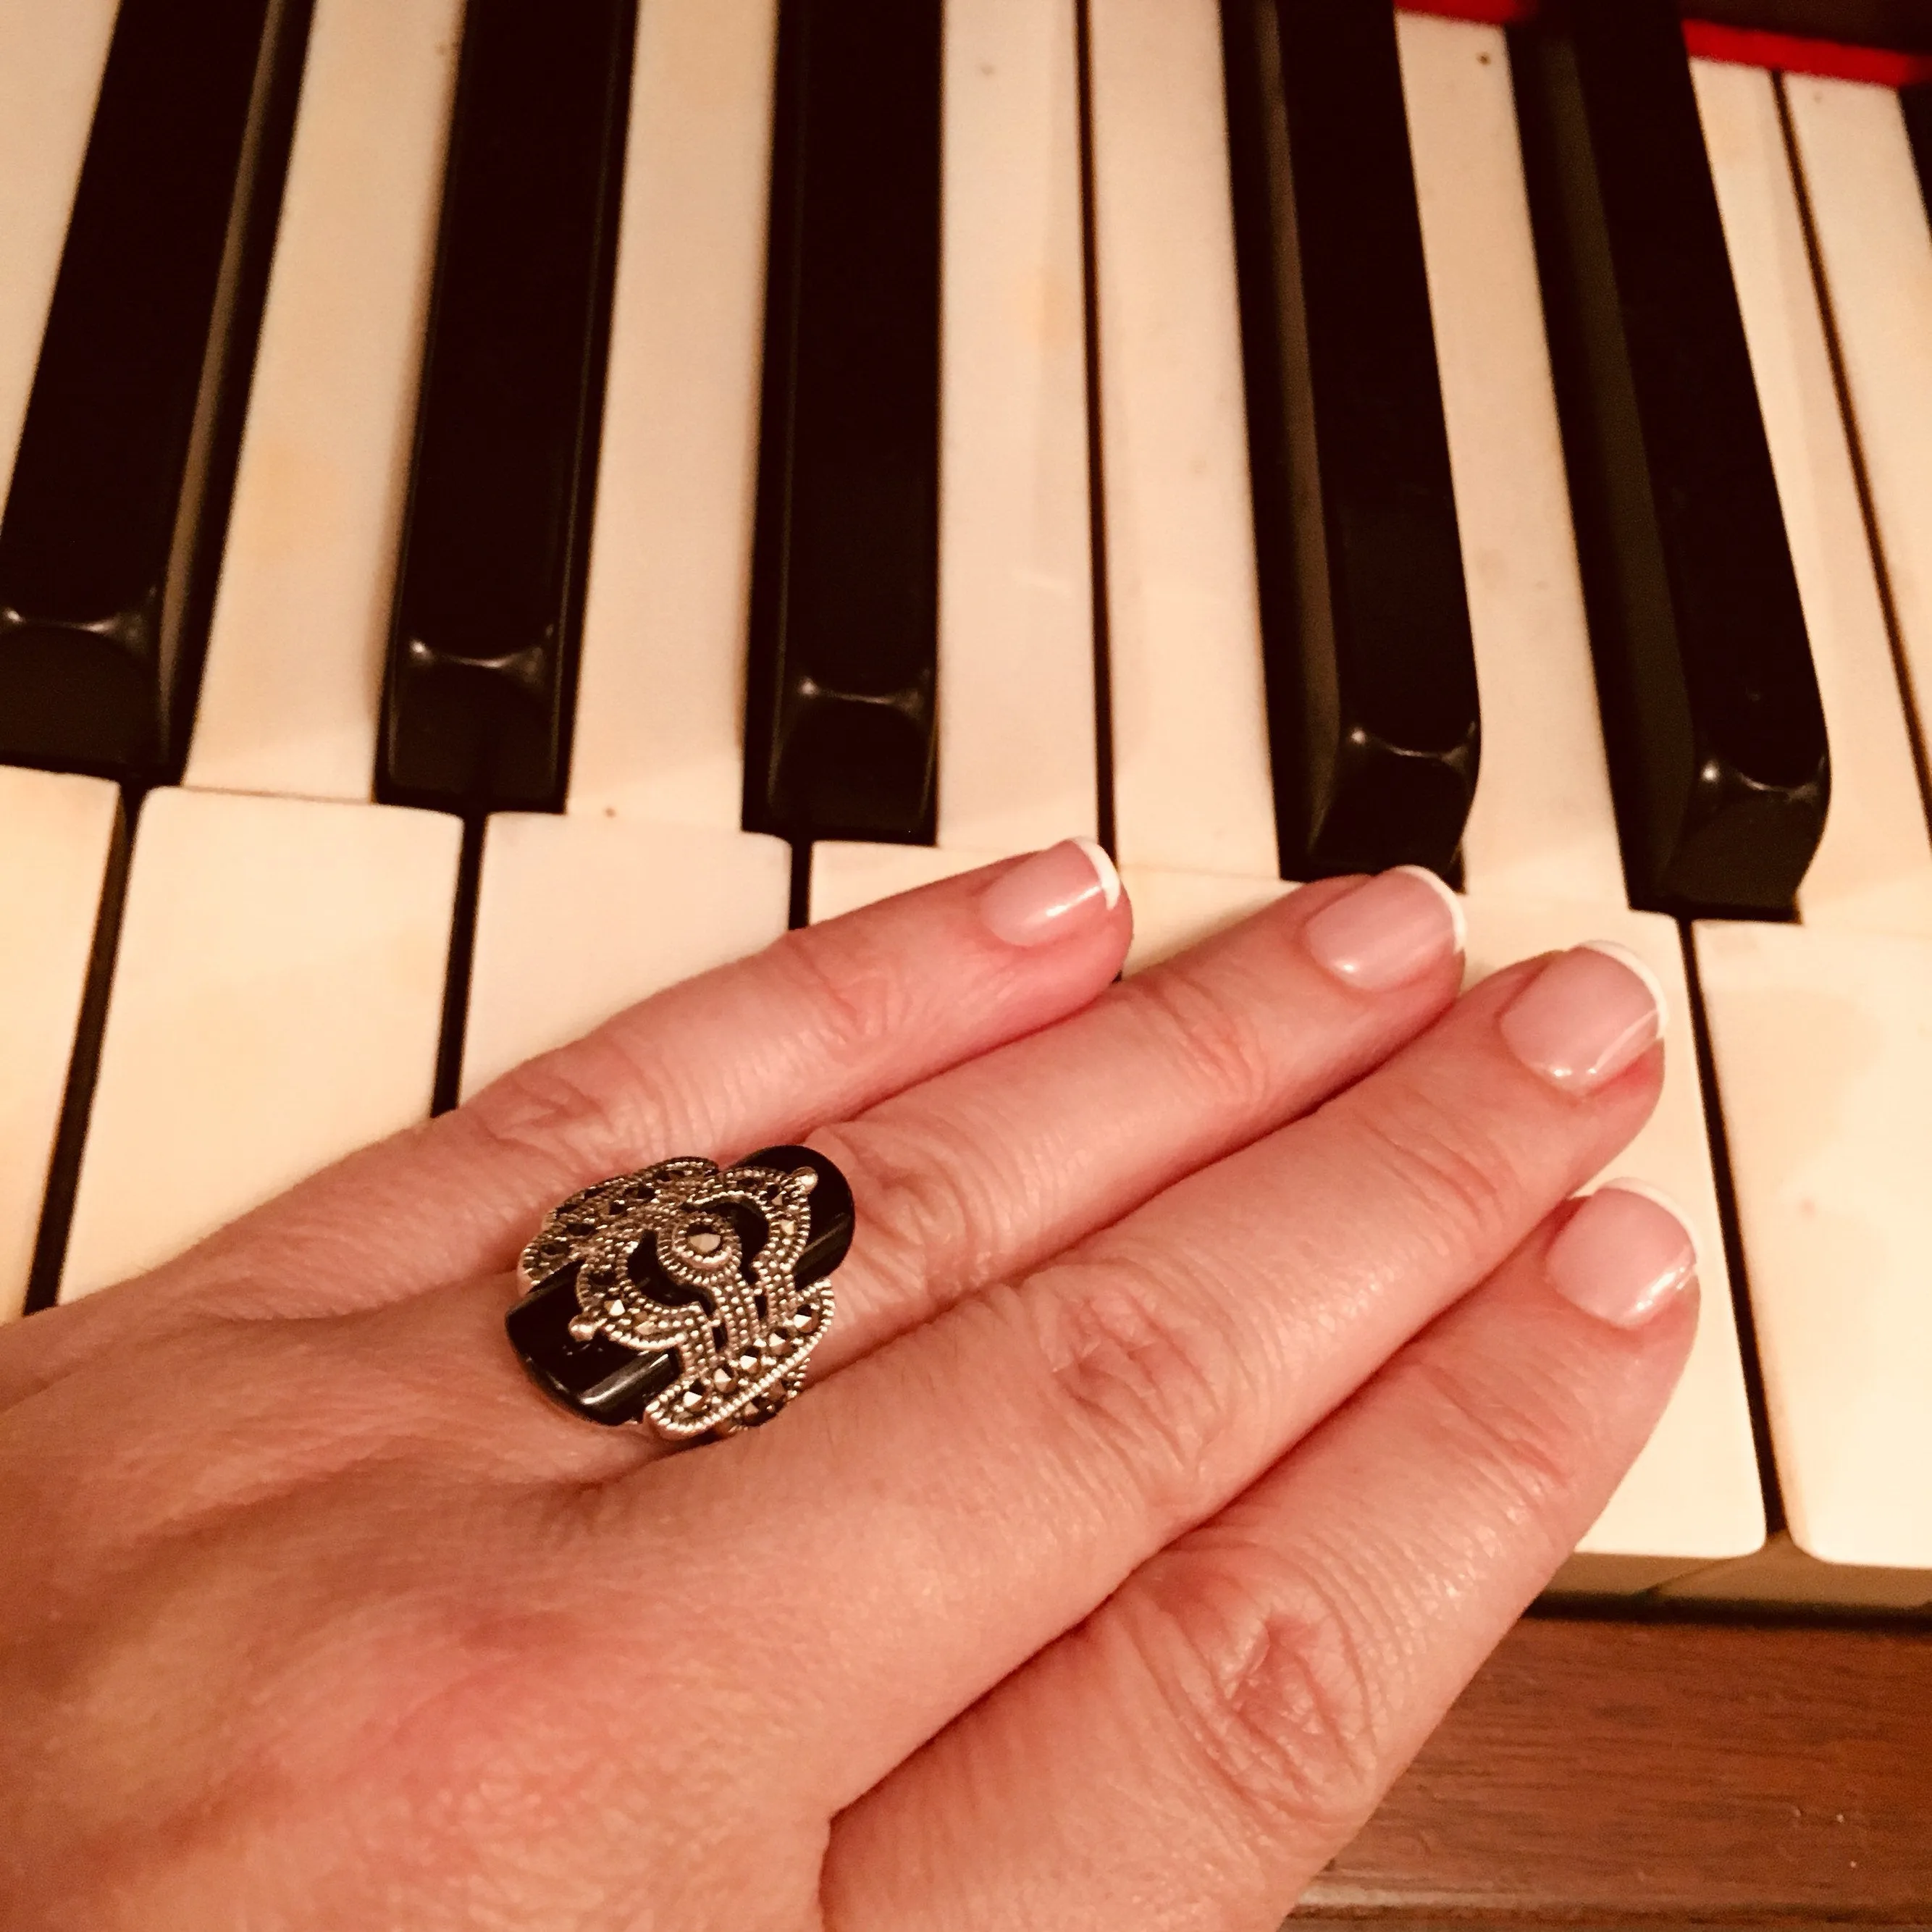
[687, 1296]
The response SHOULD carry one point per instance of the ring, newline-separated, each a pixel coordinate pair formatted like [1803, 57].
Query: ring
[687, 1295]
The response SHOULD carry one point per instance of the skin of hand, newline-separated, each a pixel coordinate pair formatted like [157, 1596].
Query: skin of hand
[1222, 1365]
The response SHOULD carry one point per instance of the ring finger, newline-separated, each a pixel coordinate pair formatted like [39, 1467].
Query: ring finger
[987, 1170]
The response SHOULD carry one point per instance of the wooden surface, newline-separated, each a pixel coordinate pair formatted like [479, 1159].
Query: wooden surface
[1622, 1773]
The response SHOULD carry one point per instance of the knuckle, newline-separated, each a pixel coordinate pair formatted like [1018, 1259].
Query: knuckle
[1267, 1673]
[1150, 1385]
[574, 1108]
[1462, 1175]
[1514, 1436]
[855, 997]
[1221, 1044]
[923, 1218]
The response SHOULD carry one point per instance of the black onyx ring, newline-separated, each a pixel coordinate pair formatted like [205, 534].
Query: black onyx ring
[687, 1295]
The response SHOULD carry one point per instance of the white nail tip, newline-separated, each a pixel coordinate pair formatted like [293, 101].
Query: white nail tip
[1644, 971]
[1453, 900]
[1104, 868]
[1624, 1183]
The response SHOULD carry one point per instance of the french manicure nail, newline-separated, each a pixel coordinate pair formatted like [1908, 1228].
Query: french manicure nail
[1586, 1016]
[1623, 1254]
[1389, 929]
[1054, 892]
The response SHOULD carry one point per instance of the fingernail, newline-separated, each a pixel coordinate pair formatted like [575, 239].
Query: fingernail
[1388, 930]
[1054, 892]
[1623, 1254]
[1586, 1016]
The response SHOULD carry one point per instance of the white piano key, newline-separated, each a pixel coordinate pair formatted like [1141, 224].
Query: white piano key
[276, 1002]
[1191, 788]
[52, 56]
[1175, 910]
[847, 875]
[1016, 724]
[1822, 1042]
[1874, 869]
[661, 686]
[292, 689]
[667, 901]
[1692, 1495]
[1543, 824]
[56, 833]
[1868, 215]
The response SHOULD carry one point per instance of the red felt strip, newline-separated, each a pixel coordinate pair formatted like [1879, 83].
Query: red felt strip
[1748, 47]
[1745, 47]
[1488, 13]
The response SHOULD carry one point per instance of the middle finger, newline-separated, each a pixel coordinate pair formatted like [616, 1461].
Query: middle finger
[988, 1170]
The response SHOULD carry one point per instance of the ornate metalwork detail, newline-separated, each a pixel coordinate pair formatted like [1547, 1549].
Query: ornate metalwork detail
[700, 1261]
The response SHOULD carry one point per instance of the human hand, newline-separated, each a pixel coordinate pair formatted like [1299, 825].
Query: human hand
[1215, 1379]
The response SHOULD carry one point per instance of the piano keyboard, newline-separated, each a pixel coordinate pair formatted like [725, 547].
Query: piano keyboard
[717, 462]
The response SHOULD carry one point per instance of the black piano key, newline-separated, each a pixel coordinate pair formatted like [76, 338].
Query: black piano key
[1712, 716]
[489, 602]
[840, 717]
[1371, 673]
[111, 535]
[1916, 103]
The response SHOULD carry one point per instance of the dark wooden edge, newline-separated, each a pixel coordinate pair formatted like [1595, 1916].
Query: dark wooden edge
[1621, 1773]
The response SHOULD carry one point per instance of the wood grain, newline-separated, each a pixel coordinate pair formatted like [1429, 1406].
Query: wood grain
[1625, 1774]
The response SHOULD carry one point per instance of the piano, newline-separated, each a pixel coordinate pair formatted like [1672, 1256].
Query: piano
[701, 465]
